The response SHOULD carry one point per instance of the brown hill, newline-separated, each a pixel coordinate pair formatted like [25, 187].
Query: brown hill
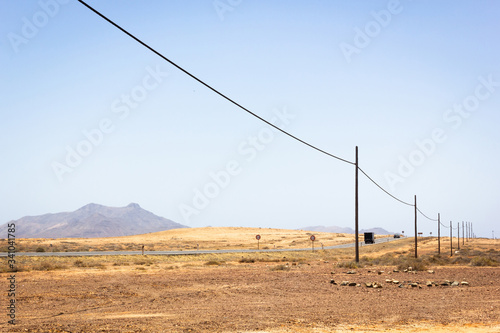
[93, 220]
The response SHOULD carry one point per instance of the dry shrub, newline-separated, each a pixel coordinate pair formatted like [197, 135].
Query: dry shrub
[280, 268]
[483, 261]
[416, 264]
[246, 260]
[47, 266]
[348, 264]
[213, 263]
[269, 260]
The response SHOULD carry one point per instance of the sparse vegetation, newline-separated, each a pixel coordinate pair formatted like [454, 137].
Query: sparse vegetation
[246, 260]
[348, 264]
[280, 268]
[483, 261]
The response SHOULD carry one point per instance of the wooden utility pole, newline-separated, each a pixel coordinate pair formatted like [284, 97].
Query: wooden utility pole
[356, 216]
[467, 231]
[416, 256]
[463, 233]
[451, 240]
[458, 235]
[439, 233]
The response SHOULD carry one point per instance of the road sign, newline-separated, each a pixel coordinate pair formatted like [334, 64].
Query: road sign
[313, 238]
[257, 237]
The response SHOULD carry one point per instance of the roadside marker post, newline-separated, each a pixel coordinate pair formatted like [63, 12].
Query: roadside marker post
[313, 238]
[258, 241]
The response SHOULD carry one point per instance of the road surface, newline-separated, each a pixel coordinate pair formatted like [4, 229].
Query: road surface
[190, 252]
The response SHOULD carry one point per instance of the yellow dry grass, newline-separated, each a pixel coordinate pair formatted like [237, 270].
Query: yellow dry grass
[209, 238]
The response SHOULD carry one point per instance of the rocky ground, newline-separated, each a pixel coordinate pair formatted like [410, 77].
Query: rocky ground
[257, 297]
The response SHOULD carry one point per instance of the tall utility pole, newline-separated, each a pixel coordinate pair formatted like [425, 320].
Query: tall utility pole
[463, 234]
[458, 235]
[439, 234]
[451, 240]
[356, 216]
[416, 256]
[468, 230]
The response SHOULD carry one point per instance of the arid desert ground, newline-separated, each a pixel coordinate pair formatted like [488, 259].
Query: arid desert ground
[259, 292]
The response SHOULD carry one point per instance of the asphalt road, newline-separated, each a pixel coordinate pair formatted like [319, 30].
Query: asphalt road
[191, 252]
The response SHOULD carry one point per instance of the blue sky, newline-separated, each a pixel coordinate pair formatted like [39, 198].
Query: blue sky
[89, 115]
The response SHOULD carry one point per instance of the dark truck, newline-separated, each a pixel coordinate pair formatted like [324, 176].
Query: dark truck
[369, 238]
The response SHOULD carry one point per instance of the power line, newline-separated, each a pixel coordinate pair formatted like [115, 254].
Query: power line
[210, 87]
[444, 225]
[380, 187]
[242, 107]
[427, 217]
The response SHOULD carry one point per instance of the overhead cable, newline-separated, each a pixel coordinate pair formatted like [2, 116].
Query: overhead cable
[427, 217]
[209, 86]
[380, 187]
[239, 105]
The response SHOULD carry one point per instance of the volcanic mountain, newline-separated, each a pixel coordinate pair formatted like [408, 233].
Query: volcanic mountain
[92, 220]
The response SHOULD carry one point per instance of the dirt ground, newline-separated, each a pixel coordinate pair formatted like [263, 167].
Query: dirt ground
[208, 238]
[254, 297]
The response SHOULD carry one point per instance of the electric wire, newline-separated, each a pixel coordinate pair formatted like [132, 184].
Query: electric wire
[242, 107]
[427, 217]
[209, 86]
[380, 187]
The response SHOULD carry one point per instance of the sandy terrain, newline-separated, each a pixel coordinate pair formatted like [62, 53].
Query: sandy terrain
[255, 298]
[278, 292]
[189, 239]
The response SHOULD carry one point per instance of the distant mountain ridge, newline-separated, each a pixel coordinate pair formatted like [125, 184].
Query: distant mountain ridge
[346, 230]
[91, 221]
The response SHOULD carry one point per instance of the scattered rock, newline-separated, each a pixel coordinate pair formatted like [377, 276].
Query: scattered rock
[351, 272]
[344, 283]
[455, 283]
[352, 284]
[429, 284]
[332, 281]
[368, 284]
[395, 281]
[430, 271]
[377, 285]
[395, 270]
[464, 283]
[380, 272]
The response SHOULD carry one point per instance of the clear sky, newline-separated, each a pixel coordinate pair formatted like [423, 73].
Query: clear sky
[89, 115]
